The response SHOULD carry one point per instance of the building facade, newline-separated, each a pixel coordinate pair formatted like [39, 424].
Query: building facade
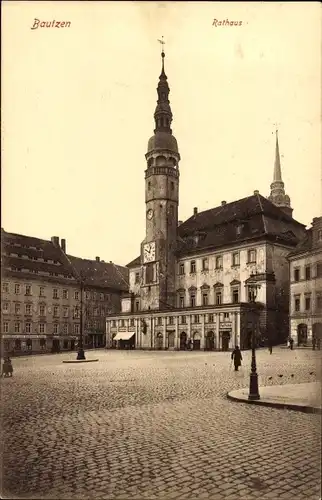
[306, 287]
[41, 296]
[190, 284]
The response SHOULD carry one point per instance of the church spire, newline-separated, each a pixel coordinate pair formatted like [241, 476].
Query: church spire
[163, 114]
[277, 165]
[278, 196]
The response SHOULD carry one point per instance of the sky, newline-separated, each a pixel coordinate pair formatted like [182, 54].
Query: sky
[78, 104]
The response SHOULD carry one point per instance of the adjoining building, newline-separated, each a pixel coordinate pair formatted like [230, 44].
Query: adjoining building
[190, 284]
[306, 287]
[41, 296]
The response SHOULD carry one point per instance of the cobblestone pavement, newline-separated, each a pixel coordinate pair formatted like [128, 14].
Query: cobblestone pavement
[156, 425]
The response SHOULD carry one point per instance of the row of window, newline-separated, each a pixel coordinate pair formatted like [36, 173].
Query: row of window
[308, 274]
[35, 258]
[42, 310]
[18, 289]
[307, 303]
[209, 318]
[235, 261]
[18, 327]
[192, 301]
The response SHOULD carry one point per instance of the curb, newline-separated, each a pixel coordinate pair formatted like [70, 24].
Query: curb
[279, 406]
[79, 360]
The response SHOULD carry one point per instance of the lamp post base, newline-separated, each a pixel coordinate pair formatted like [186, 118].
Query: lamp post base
[253, 387]
[81, 354]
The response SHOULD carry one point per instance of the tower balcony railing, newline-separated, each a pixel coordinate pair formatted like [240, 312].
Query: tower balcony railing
[162, 171]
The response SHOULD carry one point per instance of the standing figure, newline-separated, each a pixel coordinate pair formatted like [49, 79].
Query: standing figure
[236, 355]
[7, 368]
[291, 343]
[270, 346]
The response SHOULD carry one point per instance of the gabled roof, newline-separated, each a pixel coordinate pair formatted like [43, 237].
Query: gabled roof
[101, 274]
[134, 263]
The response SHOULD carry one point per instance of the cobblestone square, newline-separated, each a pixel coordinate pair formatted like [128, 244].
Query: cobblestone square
[144, 424]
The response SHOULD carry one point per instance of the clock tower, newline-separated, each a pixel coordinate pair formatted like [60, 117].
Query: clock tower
[158, 258]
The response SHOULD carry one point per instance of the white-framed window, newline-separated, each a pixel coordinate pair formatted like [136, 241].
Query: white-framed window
[55, 311]
[307, 302]
[251, 256]
[297, 303]
[137, 277]
[76, 295]
[65, 328]
[76, 312]
[41, 291]
[55, 293]
[28, 310]
[5, 307]
[235, 259]
[42, 310]
[28, 290]
[181, 301]
[296, 275]
[226, 315]
[17, 308]
[42, 328]
[56, 328]
[196, 318]
[205, 299]
[219, 262]
[17, 289]
[65, 312]
[65, 294]
[171, 320]
[210, 318]
[159, 321]
[17, 327]
[137, 305]
[218, 297]
[76, 328]
[5, 287]
[205, 264]
[28, 327]
[192, 300]
[181, 268]
[183, 320]
[5, 327]
[235, 295]
[192, 267]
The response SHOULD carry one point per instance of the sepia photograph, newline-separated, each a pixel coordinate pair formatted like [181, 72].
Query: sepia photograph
[161, 250]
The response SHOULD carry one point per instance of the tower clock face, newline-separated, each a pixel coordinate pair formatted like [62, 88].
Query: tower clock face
[149, 214]
[149, 252]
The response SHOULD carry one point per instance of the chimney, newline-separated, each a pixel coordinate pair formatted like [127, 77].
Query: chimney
[63, 244]
[195, 210]
[180, 222]
[111, 262]
[256, 192]
[97, 259]
[223, 203]
[55, 240]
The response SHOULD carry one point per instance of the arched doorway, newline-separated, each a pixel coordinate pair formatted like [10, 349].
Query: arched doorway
[301, 334]
[159, 342]
[196, 341]
[317, 334]
[183, 340]
[210, 341]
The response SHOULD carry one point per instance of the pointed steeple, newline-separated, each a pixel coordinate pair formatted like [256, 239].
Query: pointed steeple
[278, 196]
[163, 138]
[277, 165]
[163, 114]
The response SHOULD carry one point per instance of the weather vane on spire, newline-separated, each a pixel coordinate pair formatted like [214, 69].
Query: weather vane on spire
[162, 43]
[276, 127]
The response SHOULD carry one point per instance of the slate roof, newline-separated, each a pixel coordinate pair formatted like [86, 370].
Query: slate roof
[245, 219]
[101, 274]
[26, 256]
[304, 245]
[20, 253]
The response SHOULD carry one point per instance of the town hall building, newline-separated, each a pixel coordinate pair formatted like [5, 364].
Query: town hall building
[190, 285]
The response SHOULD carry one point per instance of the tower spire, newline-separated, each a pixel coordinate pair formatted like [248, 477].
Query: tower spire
[163, 114]
[277, 165]
[278, 196]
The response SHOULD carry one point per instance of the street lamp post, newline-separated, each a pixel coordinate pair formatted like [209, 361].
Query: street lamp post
[253, 380]
[80, 352]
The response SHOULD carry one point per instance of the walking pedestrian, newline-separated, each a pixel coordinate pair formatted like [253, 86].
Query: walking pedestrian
[291, 343]
[313, 342]
[236, 356]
